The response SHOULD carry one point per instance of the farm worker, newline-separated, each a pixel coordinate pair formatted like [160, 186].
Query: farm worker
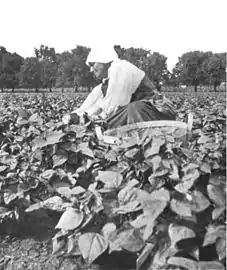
[125, 94]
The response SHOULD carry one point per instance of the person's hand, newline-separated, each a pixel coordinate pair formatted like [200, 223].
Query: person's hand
[95, 117]
[66, 119]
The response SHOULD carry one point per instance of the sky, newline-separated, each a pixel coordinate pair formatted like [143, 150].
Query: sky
[170, 27]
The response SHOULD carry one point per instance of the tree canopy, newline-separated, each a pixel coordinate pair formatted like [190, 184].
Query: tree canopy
[48, 69]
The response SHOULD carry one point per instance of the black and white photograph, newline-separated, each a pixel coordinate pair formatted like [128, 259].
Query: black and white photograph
[113, 134]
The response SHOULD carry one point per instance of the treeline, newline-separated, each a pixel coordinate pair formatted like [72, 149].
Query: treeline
[48, 69]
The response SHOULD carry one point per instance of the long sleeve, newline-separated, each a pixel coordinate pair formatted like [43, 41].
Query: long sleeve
[124, 79]
[92, 102]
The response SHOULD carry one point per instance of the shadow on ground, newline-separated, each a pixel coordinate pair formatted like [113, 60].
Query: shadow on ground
[28, 245]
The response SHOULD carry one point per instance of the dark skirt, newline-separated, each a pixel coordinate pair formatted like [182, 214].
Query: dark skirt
[135, 112]
[140, 109]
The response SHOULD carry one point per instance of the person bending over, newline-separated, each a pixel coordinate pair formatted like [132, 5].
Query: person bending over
[125, 94]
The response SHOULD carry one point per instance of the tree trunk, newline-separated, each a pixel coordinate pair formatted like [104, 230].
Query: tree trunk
[50, 89]
[195, 87]
[215, 87]
[36, 90]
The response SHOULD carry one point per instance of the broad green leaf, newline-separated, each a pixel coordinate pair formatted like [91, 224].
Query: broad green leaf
[157, 174]
[23, 113]
[142, 221]
[48, 174]
[70, 220]
[21, 122]
[181, 208]
[211, 146]
[216, 194]
[39, 143]
[85, 150]
[210, 266]
[62, 188]
[132, 153]
[204, 139]
[199, 201]
[54, 137]
[155, 161]
[161, 194]
[9, 196]
[155, 147]
[92, 245]
[77, 190]
[129, 239]
[108, 229]
[213, 233]
[58, 244]
[129, 207]
[35, 118]
[127, 194]
[58, 160]
[111, 155]
[55, 203]
[183, 262]
[221, 248]
[148, 230]
[146, 223]
[111, 179]
[110, 204]
[3, 168]
[73, 246]
[5, 213]
[161, 256]
[178, 233]
[144, 255]
[154, 207]
[218, 180]
[187, 181]
[189, 167]
[205, 167]
[217, 212]
[174, 171]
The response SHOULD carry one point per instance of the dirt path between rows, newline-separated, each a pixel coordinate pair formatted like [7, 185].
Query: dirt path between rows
[29, 246]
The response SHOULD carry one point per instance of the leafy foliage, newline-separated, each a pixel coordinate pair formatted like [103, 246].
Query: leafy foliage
[163, 202]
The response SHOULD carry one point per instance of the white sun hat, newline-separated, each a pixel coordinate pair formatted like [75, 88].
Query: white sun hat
[102, 55]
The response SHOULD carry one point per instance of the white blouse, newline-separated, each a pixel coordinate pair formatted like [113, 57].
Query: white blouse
[124, 79]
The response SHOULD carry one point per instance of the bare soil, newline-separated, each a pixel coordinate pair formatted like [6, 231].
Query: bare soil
[28, 245]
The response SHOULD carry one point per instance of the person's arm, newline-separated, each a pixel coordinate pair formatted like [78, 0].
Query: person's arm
[89, 106]
[91, 103]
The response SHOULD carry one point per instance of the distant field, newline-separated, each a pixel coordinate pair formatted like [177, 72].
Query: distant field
[164, 89]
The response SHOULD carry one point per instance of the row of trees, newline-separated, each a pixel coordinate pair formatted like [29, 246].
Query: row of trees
[48, 69]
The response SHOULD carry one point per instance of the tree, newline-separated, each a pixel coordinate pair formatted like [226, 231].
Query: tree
[61, 75]
[189, 69]
[72, 69]
[157, 69]
[9, 67]
[215, 67]
[81, 74]
[48, 60]
[30, 73]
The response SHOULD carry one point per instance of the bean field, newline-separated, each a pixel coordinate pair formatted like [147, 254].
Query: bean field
[68, 201]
